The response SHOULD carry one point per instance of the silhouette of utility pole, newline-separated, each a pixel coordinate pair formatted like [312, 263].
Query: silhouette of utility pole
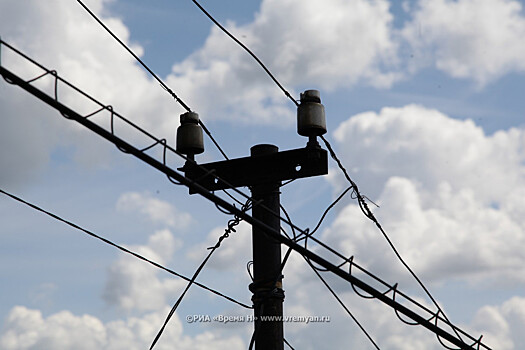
[263, 172]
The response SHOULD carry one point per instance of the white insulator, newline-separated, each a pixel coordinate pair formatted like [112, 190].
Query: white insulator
[189, 134]
[311, 120]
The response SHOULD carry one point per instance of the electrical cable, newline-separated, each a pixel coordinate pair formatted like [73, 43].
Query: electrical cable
[306, 234]
[164, 86]
[316, 270]
[128, 148]
[368, 213]
[327, 210]
[84, 120]
[125, 250]
[226, 234]
[248, 51]
[174, 308]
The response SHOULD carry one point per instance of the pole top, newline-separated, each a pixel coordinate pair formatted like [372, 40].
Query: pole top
[263, 149]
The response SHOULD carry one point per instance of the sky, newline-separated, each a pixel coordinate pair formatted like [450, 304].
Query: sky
[425, 108]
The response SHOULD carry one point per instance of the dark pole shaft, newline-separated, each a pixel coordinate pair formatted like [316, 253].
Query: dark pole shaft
[267, 290]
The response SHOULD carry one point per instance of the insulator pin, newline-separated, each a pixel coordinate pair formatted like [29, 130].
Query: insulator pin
[311, 120]
[189, 134]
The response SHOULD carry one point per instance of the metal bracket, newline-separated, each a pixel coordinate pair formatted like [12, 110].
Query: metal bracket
[255, 170]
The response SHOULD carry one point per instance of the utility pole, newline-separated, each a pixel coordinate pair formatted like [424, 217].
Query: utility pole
[263, 172]
[263, 167]
[267, 289]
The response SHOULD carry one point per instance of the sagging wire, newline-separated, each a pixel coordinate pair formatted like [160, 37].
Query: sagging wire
[306, 233]
[368, 213]
[155, 76]
[115, 115]
[15, 80]
[316, 269]
[110, 109]
[333, 204]
[356, 321]
[229, 229]
[121, 248]
[231, 225]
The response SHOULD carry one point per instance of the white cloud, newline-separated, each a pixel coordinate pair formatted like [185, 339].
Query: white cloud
[455, 237]
[304, 43]
[28, 329]
[128, 276]
[475, 39]
[503, 323]
[155, 210]
[449, 195]
[25, 328]
[24, 148]
[84, 54]
[500, 325]
[430, 148]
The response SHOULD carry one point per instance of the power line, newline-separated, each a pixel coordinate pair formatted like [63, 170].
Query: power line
[184, 105]
[125, 250]
[368, 213]
[328, 209]
[110, 135]
[250, 52]
[231, 228]
[316, 270]
[164, 86]
[431, 323]
[356, 321]
[361, 201]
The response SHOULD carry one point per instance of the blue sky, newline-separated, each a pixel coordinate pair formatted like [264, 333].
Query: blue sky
[425, 107]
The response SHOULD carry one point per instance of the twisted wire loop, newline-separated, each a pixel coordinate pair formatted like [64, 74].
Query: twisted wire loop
[351, 260]
[54, 73]
[164, 143]
[112, 126]
[399, 316]
[436, 316]
[249, 266]
[231, 225]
